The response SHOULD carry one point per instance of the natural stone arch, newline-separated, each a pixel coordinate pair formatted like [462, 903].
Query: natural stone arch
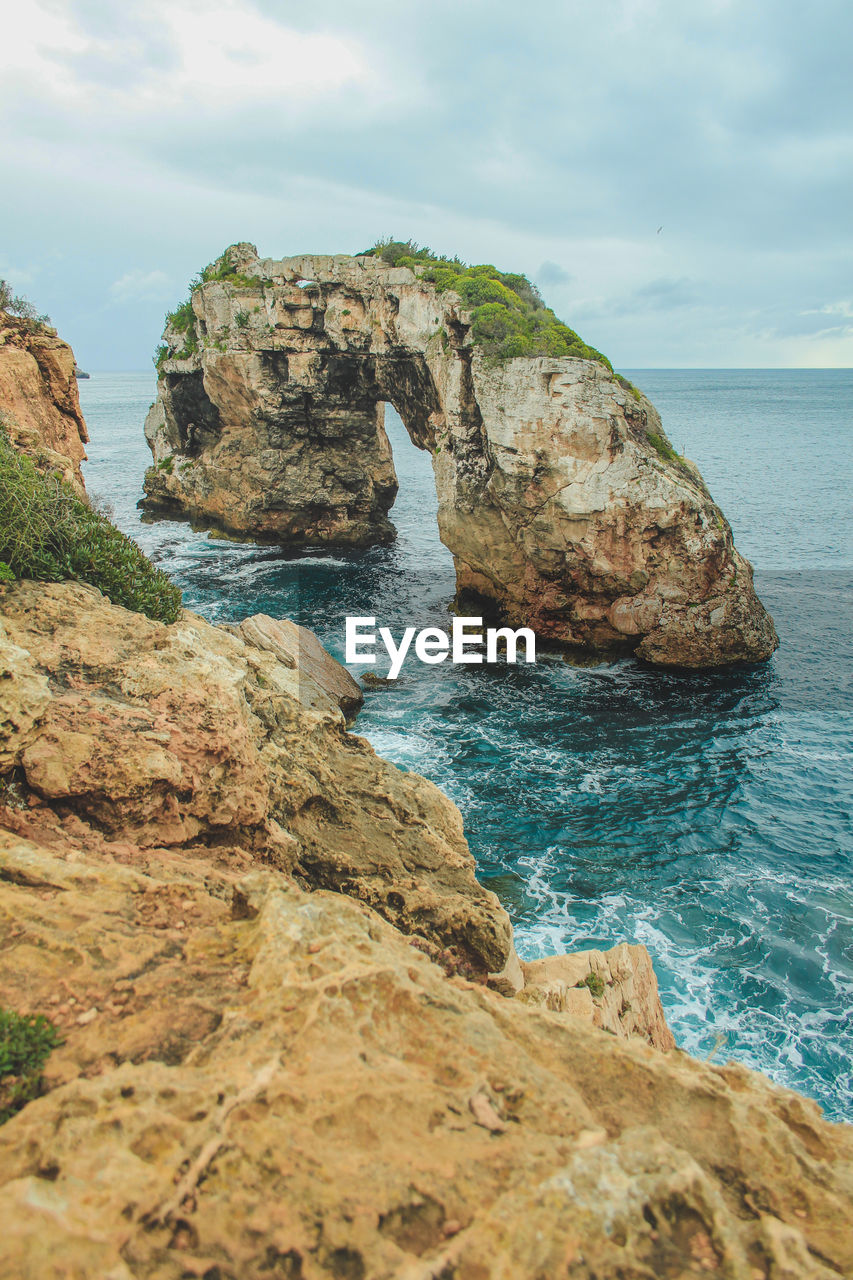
[560, 497]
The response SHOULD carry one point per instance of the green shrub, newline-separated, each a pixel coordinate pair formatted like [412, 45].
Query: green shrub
[595, 983]
[190, 346]
[242, 319]
[222, 269]
[628, 386]
[509, 317]
[662, 447]
[48, 533]
[25, 1045]
[182, 317]
[21, 307]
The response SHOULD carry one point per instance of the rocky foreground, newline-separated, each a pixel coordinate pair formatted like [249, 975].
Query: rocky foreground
[562, 500]
[297, 1039]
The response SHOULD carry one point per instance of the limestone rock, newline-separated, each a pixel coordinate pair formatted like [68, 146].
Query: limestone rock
[563, 503]
[186, 735]
[299, 648]
[258, 1082]
[616, 990]
[24, 695]
[39, 402]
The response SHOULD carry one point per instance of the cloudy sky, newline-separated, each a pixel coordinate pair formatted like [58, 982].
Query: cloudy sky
[554, 138]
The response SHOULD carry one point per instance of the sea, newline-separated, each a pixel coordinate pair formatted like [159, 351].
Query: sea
[708, 816]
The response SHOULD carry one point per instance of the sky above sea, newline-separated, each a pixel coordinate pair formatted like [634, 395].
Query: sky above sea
[676, 178]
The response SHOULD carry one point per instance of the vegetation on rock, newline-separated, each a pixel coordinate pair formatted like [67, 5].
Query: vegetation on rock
[25, 1045]
[16, 305]
[509, 316]
[49, 533]
[595, 983]
[662, 447]
[182, 319]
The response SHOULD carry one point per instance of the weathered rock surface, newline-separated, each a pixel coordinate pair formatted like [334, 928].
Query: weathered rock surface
[616, 990]
[258, 1082]
[298, 648]
[38, 397]
[186, 735]
[560, 497]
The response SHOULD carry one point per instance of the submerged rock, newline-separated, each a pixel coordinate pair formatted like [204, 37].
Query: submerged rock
[563, 503]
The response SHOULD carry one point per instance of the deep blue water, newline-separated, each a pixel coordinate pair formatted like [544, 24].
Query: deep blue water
[707, 816]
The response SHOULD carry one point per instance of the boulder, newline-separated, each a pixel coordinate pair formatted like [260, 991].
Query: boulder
[616, 990]
[186, 735]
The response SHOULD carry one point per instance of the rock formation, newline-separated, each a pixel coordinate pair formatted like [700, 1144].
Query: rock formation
[268, 956]
[296, 1039]
[563, 503]
[39, 404]
[175, 736]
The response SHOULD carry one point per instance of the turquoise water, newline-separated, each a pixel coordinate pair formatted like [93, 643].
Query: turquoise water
[708, 816]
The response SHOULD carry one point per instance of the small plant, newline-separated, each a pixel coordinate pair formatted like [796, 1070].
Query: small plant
[50, 534]
[442, 440]
[628, 386]
[183, 318]
[242, 319]
[166, 464]
[16, 305]
[595, 983]
[26, 1042]
[190, 347]
[662, 447]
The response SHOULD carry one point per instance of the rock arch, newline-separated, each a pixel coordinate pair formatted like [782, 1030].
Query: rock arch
[563, 503]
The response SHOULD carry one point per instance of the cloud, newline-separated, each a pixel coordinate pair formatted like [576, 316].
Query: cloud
[662, 294]
[166, 56]
[137, 285]
[159, 132]
[844, 309]
[551, 273]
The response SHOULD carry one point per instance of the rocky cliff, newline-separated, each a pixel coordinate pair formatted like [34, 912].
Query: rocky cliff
[284, 1054]
[39, 404]
[563, 503]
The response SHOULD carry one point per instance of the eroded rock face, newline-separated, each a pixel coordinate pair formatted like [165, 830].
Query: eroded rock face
[38, 397]
[560, 497]
[616, 990]
[261, 1077]
[192, 736]
[258, 1082]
